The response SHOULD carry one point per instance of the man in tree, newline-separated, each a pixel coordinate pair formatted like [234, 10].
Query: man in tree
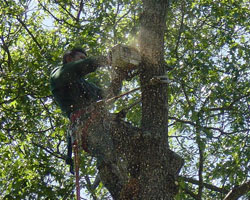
[78, 99]
[70, 90]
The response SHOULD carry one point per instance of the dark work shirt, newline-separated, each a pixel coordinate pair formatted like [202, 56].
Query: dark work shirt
[69, 88]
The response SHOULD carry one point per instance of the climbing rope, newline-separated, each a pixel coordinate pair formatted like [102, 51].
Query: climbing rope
[77, 162]
[119, 96]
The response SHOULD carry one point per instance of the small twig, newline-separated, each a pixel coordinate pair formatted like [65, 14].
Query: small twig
[65, 9]
[180, 30]
[63, 157]
[61, 21]
[229, 107]
[206, 127]
[31, 34]
[96, 182]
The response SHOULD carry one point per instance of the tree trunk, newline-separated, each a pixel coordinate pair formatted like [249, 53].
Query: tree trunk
[154, 96]
[158, 165]
[152, 168]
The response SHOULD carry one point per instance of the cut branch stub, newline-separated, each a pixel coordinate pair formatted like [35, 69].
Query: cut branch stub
[125, 57]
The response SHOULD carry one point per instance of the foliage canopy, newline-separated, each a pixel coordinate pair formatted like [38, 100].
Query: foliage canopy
[207, 57]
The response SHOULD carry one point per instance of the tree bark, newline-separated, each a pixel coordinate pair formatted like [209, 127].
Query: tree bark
[237, 192]
[154, 97]
[159, 166]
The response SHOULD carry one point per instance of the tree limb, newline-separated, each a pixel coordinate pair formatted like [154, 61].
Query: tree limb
[80, 10]
[238, 191]
[206, 185]
[6, 49]
[231, 104]
[65, 9]
[206, 127]
[61, 21]
[63, 157]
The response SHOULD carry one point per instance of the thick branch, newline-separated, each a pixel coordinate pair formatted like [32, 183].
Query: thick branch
[237, 192]
[206, 185]
[158, 167]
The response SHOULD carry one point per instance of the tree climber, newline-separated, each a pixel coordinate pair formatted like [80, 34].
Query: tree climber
[70, 90]
[77, 99]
